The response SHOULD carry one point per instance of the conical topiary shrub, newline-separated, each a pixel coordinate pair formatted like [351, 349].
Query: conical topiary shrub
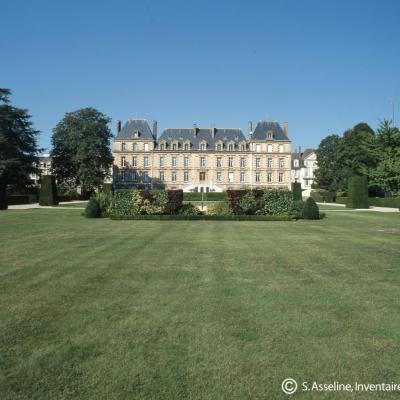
[310, 210]
[296, 191]
[48, 191]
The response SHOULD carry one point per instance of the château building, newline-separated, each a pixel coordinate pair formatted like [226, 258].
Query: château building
[202, 159]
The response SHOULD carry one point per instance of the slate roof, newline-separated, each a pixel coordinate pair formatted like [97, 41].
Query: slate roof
[301, 157]
[263, 127]
[132, 125]
[187, 134]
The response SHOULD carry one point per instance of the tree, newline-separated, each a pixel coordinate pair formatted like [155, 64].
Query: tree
[328, 167]
[18, 146]
[81, 149]
[386, 175]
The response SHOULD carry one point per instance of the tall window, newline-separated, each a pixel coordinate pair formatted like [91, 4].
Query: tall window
[269, 163]
[123, 146]
[123, 161]
[269, 148]
[134, 176]
[219, 162]
[243, 147]
[258, 148]
[146, 147]
[134, 146]
[174, 161]
[134, 161]
[242, 177]
[230, 147]
[161, 162]
[162, 176]
[186, 176]
[230, 162]
[203, 147]
[230, 177]
[145, 176]
[242, 162]
[202, 176]
[219, 147]
[281, 163]
[280, 148]
[123, 176]
[186, 162]
[257, 177]
[146, 161]
[202, 162]
[269, 177]
[296, 163]
[280, 177]
[174, 146]
[269, 135]
[186, 146]
[173, 176]
[162, 146]
[258, 162]
[218, 176]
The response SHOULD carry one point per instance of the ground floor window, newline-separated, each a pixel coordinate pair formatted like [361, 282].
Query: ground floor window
[173, 177]
[257, 177]
[242, 177]
[186, 176]
[269, 177]
[280, 178]
[202, 176]
[162, 176]
[230, 177]
[218, 176]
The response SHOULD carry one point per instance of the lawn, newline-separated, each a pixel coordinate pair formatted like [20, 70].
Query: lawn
[101, 309]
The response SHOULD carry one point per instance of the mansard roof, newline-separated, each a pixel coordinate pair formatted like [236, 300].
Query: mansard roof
[224, 135]
[135, 125]
[263, 127]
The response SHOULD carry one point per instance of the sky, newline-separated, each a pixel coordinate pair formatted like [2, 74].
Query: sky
[322, 66]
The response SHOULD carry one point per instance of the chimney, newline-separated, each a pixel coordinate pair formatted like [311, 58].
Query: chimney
[213, 131]
[194, 130]
[286, 128]
[118, 126]
[250, 130]
[155, 129]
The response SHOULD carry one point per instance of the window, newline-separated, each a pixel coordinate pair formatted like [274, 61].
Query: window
[231, 147]
[269, 177]
[123, 161]
[230, 162]
[280, 177]
[162, 176]
[280, 148]
[174, 146]
[218, 176]
[145, 176]
[258, 162]
[269, 148]
[258, 148]
[202, 176]
[269, 135]
[281, 163]
[134, 161]
[134, 146]
[219, 162]
[242, 177]
[135, 133]
[162, 146]
[146, 147]
[123, 146]
[173, 176]
[203, 147]
[242, 162]
[186, 176]
[269, 163]
[219, 147]
[161, 162]
[186, 146]
[123, 176]
[243, 147]
[186, 162]
[257, 177]
[174, 161]
[134, 176]
[296, 163]
[230, 177]
[146, 161]
[202, 162]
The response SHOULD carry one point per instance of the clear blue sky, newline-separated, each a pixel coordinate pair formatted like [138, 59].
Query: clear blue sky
[323, 66]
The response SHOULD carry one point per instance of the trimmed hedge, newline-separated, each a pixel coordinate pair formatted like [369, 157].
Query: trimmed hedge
[16, 199]
[393, 202]
[311, 210]
[357, 193]
[179, 217]
[48, 191]
[296, 191]
[210, 196]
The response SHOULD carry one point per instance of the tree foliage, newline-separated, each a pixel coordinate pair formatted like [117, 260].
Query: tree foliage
[81, 149]
[18, 144]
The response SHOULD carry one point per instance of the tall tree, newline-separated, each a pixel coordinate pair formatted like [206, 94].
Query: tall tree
[81, 154]
[328, 167]
[386, 175]
[18, 145]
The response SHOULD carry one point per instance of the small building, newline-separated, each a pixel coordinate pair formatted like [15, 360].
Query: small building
[304, 165]
[44, 166]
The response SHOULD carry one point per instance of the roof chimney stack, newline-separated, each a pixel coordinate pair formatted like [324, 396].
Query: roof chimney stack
[194, 130]
[250, 130]
[155, 129]
[118, 126]
[286, 128]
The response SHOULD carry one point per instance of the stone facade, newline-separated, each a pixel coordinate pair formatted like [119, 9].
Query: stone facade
[198, 159]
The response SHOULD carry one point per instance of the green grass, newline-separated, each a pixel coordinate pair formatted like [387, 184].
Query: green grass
[101, 309]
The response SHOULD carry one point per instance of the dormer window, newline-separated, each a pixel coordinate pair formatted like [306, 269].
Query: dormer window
[269, 135]
[136, 133]
[231, 147]
[242, 147]
[162, 146]
[203, 147]
[296, 163]
[174, 146]
[186, 146]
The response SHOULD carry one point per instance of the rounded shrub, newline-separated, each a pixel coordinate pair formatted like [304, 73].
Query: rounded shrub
[93, 209]
[310, 210]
